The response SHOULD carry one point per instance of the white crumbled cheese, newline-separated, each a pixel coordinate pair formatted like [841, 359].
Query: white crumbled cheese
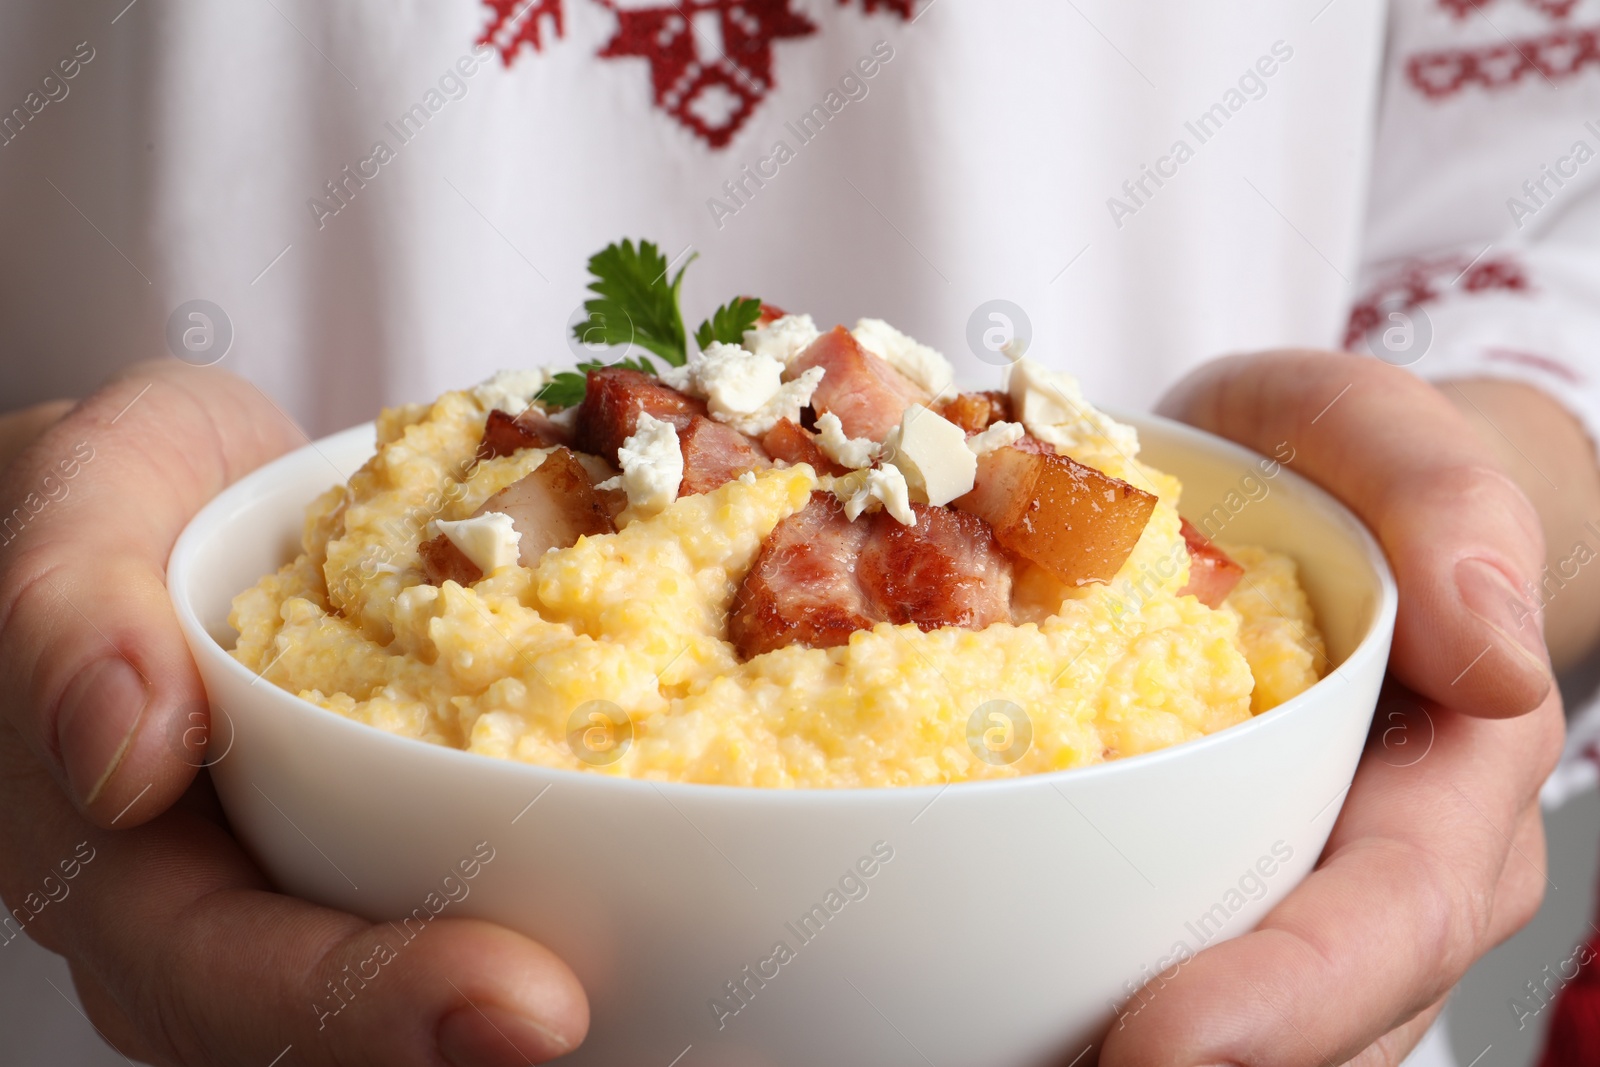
[783, 339]
[1052, 406]
[733, 381]
[652, 465]
[678, 378]
[786, 403]
[851, 452]
[489, 540]
[921, 364]
[511, 391]
[931, 453]
[743, 389]
[999, 435]
[884, 486]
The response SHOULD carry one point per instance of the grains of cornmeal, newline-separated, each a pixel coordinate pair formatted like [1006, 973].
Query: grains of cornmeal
[638, 619]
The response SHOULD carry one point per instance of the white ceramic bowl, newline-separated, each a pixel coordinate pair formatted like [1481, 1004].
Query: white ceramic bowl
[1010, 920]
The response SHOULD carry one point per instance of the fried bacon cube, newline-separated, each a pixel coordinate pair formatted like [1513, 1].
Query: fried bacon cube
[946, 570]
[976, 412]
[866, 394]
[443, 562]
[802, 588]
[1076, 522]
[504, 433]
[790, 442]
[820, 577]
[1212, 572]
[714, 454]
[552, 507]
[613, 400]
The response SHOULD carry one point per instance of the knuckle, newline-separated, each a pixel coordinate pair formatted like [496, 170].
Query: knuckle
[1480, 488]
[1522, 897]
[113, 1023]
[1477, 484]
[28, 592]
[171, 1027]
[26, 573]
[1550, 738]
[1522, 901]
[1456, 923]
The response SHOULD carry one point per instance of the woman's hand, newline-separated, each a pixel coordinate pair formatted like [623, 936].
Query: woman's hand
[1434, 860]
[181, 952]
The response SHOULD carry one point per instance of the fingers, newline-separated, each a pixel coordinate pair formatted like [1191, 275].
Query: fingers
[187, 958]
[97, 678]
[1433, 860]
[109, 1020]
[1392, 1048]
[1463, 540]
[1516, 900]
[20, 429]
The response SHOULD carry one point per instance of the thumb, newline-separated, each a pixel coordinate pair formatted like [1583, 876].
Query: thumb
[1463, 540]
[97, 677]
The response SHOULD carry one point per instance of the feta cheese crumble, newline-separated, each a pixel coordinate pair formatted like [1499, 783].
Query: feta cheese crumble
[1052, 406]
[852, 452]
[744, 389]
[652, 465]
[884, 486]
[916, 361]
[783, 339]
[511, 391]
[931, 453]
[999, 435]
[489, 540]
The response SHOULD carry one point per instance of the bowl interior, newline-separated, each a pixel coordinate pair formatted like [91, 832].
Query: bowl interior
[1236, 496]
[254, 527]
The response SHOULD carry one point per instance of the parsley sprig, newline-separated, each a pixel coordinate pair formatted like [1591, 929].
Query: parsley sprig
[635, 303]
[729, 322]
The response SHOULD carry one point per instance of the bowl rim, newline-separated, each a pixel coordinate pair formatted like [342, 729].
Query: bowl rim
[1373, 642]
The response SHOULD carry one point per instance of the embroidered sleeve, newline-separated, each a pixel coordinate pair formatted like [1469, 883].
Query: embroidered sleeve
[1482, 247]
[1483, 238]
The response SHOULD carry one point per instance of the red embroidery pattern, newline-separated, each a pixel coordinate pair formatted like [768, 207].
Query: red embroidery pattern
[1423, 281]
[517, 22]
[1556, 369]
[708, 86]
[903, 8]
[1556, 55]
[1556, 9]
[710, 60]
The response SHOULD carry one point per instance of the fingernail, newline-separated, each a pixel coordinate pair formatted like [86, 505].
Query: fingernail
[99, 712]
[1489, 594]
[493, 1037]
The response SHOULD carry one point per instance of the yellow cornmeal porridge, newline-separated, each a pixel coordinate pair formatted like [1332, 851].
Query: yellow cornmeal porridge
[638, 618]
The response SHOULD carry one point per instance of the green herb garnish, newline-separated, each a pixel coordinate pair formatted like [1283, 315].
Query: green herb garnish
[729, 322]
[635, 304]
